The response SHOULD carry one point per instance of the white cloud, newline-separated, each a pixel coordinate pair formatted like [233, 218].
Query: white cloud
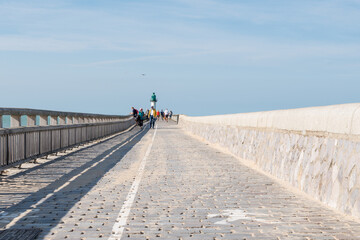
[247, 52]
[169, 33]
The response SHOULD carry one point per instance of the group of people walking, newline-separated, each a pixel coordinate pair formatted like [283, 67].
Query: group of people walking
[151, 114]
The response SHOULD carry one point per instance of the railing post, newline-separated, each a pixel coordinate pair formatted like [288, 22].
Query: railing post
[51, 139]
[1, 122]
[39, 142]
[7, 149]
[25, 147]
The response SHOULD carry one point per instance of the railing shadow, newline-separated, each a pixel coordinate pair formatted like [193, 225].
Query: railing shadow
[27, 171]
[67, 197]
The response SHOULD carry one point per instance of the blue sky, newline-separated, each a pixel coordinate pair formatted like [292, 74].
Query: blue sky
[201, 57]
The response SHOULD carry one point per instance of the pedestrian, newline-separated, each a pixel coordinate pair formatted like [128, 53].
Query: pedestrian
[171, 113]
[158, 114]
[166, 113]
[152, 116]
[162, 115]
[134, 112]
[140, 118]
[147, 114]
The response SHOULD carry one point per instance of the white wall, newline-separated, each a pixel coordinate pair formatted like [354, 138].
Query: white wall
[315, 149]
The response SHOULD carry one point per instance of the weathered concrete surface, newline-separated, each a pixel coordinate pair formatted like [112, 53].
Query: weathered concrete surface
[311, 148]
[338, 119]
[188, 190]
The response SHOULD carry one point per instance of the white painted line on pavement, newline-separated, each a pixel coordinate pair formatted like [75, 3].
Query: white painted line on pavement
[34, 206]
[123, 215]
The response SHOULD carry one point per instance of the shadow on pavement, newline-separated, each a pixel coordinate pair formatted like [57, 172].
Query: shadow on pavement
[50, 212]
[27, 171]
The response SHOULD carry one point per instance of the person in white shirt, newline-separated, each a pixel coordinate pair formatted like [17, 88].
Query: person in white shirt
[166, 112]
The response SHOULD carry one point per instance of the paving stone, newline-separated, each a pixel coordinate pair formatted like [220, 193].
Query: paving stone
[188, 190]
[19, 234]
[197, 176]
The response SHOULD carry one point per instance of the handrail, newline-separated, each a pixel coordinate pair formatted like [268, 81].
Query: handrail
[334, 119]
[28, 111]
[24, 117]
[45, 128]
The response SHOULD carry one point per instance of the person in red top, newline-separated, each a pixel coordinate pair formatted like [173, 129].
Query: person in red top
[158, 114]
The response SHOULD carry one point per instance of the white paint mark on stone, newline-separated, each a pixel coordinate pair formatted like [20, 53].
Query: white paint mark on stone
[123, 215]
[233, 215]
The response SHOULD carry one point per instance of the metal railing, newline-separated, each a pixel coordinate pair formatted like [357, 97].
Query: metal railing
[19, 145]
[22, 117]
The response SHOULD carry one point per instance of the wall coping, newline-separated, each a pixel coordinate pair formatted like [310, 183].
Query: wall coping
[339, 119]
[33, 112]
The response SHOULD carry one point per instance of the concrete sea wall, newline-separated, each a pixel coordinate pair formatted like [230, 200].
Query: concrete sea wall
[317, 150]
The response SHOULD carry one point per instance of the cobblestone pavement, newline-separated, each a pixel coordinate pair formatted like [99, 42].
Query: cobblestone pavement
[188, 190]
[70, 194]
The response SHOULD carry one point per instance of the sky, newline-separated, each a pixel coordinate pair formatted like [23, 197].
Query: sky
[200, 57]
